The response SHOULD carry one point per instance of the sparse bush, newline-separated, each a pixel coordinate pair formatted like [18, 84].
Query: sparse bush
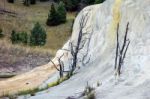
[38, 35]
[91, 96]
[21, 37]
[89, 92]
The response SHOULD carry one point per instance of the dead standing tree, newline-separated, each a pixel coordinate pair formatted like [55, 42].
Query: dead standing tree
[74, 49]
[121, 50]
[60, 66]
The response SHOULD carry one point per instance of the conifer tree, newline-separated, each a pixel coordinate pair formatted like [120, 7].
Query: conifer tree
[53, 17]
[38, 35]
[62, 12]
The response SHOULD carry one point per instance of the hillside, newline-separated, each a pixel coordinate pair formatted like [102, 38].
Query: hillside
[19, 58]
[26, 17]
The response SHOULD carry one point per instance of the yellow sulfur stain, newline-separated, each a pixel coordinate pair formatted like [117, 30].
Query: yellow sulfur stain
[115, 20]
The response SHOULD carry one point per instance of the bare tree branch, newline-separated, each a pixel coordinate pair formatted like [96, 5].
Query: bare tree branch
[121, 52]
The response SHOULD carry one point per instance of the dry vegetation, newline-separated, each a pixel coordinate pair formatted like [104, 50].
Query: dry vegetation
[18, 59]
[14, 57]
[26, 18]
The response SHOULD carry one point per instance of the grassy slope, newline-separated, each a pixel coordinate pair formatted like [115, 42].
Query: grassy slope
[26, 18]
[23, 58]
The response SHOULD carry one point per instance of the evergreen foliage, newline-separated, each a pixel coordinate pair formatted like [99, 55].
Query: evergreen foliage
[21, 37]
[62, 12]
[38, 35]
[53, 17]
[57, 15]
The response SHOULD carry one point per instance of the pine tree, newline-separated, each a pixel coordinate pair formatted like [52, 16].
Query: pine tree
[53, 17]
[62, 12]
[38, 35]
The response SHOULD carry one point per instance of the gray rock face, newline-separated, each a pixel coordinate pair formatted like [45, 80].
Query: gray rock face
[101, 28]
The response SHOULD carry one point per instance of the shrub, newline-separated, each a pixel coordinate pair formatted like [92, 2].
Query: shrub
[1, 33]
[14, 37]
[38, 35]
[21, 37]
[89, 92]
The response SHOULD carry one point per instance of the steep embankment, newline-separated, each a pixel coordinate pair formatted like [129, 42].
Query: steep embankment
[101, 28]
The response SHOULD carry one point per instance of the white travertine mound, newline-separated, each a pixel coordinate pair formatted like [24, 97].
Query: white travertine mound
[101, 27]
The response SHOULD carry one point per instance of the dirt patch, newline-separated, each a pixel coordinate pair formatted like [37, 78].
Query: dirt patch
[19, 59]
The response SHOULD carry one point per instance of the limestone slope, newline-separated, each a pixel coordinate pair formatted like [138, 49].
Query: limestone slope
[101, 27]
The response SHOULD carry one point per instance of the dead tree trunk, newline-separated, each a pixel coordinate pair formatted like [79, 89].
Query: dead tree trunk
[80, 44]
[121, 52]
[61, 66]
[74, 49]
